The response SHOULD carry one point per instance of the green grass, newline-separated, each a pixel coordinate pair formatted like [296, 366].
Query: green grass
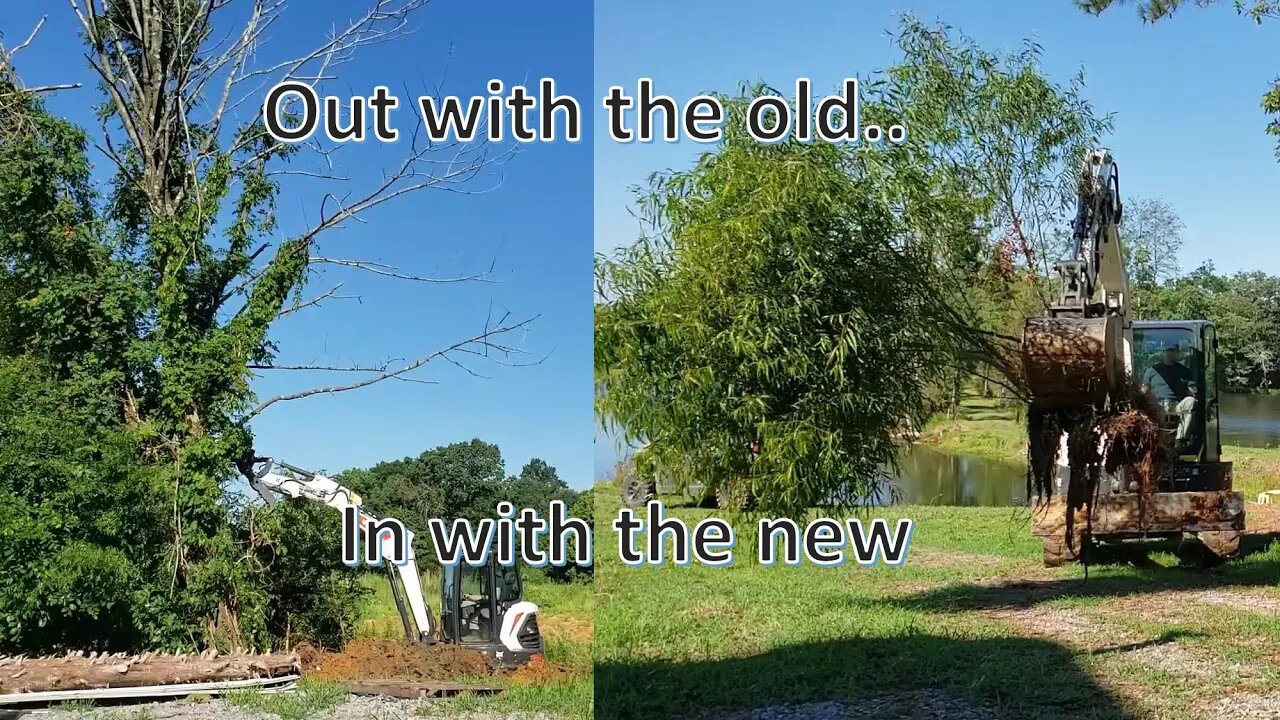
[983, 428]
[566, 621]
[312, 697]
[686, 641]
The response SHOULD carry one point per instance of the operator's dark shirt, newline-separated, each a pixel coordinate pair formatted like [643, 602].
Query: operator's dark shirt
[1168, 382]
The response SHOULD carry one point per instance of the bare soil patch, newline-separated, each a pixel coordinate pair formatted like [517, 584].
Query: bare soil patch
[379, 659]
[1242, 706]
[1262, 519]
[1171, 606]
[1066, 626]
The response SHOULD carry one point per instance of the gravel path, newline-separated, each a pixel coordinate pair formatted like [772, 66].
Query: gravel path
[355, 708]
[916, 705]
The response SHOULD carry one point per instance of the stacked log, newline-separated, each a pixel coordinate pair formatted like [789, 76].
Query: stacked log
[80, 671]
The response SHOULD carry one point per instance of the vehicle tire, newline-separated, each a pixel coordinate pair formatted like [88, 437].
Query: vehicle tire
[637, 493]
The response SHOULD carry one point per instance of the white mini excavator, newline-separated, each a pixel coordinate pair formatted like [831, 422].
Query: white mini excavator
[1088, 352]
[481, 607]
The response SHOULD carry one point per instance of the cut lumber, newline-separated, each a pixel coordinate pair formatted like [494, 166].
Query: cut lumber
[75, 672]
[152, 692]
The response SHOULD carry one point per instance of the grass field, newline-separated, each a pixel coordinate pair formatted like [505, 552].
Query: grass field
[566, 623]
[984, 429]
[971, 624]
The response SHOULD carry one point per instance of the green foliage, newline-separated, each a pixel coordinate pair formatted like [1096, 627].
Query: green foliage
[994, 130]
[128, 322]
[82, 524]
[1245, 307]
[312, 595]
[795, 304]
[583, 507]
[778, 289]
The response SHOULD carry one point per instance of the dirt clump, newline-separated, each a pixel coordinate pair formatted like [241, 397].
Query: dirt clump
[540, 672]
[1124, 435]
[381, 659]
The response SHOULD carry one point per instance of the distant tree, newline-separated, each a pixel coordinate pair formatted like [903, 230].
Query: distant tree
[1257, 10]
[1245, 308]
[460, 480]
[1151, 235]
[584, 507]
[537, 485]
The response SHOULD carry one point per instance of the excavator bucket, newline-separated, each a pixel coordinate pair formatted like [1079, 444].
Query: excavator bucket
[1072, 362]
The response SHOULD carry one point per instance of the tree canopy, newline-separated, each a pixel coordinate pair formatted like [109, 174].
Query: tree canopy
[792, 305]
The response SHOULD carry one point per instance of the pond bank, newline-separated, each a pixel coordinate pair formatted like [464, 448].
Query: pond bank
[986, 432]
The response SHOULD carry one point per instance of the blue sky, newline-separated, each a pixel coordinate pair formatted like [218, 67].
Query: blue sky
[535, 223]
[1185, 93]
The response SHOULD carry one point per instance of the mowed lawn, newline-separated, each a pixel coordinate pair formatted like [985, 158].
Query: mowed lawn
[971, 626]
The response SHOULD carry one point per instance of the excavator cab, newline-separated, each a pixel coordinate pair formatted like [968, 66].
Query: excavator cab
[482, 608]
[1181, 355]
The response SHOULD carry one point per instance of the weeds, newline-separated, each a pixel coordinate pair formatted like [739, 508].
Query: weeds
[311, 697]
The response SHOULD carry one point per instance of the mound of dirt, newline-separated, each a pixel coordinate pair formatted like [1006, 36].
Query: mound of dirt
[540, 672]
[380, 659]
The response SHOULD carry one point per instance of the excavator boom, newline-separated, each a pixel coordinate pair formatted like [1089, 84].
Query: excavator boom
[1079, 363]
[1079, 354]
[406, 582]
[505, 628]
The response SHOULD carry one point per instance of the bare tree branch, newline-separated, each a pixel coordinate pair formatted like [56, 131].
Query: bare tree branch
[484, 340]
[331, 293]
[389, 271]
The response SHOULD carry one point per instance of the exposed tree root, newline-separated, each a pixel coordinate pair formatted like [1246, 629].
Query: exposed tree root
[1125, 435]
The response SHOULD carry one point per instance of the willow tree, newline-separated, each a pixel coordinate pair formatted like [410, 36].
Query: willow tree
[791, 307]
[153, 303]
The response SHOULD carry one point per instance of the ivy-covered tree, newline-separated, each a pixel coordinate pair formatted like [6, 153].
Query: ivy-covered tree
[147, 302]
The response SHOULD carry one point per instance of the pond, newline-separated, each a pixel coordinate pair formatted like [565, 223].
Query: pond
[929, 476]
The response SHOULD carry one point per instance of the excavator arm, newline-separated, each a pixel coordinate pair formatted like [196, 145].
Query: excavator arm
[406, 583]
[1080, 354]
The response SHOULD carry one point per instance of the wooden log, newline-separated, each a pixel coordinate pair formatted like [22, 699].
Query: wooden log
[76, 673]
